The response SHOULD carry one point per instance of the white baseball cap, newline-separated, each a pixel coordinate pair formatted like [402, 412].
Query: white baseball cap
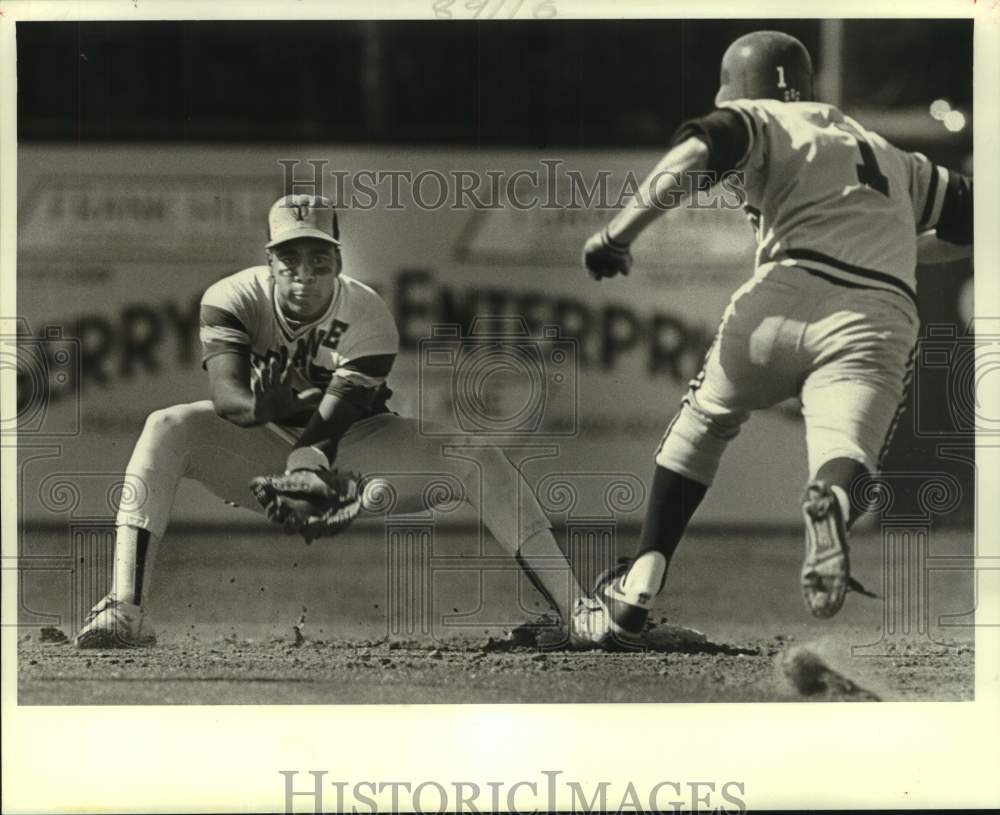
[302, 216]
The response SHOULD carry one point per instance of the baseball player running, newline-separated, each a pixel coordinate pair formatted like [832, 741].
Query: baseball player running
[297, 356]
[840, 218]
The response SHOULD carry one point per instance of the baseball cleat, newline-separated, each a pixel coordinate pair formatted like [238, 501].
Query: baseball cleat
[590, 628]
[593, 627]
[112, 624]
[626, 617]
[826, 569]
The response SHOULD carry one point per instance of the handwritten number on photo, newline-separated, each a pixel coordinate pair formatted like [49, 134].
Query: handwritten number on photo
[492, 9]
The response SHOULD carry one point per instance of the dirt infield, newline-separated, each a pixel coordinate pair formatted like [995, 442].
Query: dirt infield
[331, 672]
[225, 611]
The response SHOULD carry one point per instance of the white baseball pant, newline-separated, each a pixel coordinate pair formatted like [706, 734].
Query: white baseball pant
[404, 470]
[845, 352]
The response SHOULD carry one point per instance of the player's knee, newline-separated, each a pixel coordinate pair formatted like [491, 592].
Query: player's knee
[169, 424]
[467, 453]
[695, 442]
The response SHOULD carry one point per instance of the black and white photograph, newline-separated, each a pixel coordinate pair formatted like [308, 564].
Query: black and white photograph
[500, 356]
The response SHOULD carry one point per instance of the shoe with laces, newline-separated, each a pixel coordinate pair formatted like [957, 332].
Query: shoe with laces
[112, 624]
[628, 617]
[593, 627]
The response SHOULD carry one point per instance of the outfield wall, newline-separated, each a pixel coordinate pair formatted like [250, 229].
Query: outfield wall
[117, 243]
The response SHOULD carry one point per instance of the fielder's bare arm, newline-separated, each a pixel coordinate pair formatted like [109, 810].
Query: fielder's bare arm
[840, 217]
[297, 356]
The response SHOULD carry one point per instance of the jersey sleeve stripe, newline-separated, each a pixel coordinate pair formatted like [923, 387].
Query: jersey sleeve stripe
[935, 196]
[214, 348]
[212, 316]
[369, 399]
[929, 202]
[358, 378]
[939, 196]
[374, 365]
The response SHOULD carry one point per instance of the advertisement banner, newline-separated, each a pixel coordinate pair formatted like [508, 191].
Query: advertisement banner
[502, 333]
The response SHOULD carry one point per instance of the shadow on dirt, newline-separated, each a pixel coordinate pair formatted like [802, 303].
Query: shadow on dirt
[657, 638]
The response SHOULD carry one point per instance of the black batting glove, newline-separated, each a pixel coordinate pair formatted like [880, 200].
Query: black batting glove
[605, 257]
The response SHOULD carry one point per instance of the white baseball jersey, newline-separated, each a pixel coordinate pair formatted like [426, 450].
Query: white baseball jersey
[354, 337]
[830, 314]
[824, 194]
[240, 313]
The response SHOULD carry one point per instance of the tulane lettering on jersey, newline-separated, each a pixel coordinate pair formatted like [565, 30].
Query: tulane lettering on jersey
[307, 349]
[823, 193]
[239, 313]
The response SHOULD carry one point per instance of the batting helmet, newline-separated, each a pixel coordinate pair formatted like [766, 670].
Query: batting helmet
[766, 65]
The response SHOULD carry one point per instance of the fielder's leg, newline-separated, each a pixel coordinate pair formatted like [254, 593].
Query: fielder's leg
[183, 441]
[388, 444]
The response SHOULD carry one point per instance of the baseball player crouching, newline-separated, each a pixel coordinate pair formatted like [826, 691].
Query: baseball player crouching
[297, 356]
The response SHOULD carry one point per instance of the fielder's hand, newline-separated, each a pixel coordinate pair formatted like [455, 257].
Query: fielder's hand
[309, 499]
[606, 257]
[280, 392]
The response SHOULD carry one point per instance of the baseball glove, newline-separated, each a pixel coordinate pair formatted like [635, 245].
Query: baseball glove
[314, 503]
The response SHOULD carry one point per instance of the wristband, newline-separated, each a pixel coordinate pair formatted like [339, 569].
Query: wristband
[611, 243]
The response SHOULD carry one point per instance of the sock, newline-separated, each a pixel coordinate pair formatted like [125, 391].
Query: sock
[643, 580]
[840, 473]
[844, 501]
[133, 564]
[673, 499]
